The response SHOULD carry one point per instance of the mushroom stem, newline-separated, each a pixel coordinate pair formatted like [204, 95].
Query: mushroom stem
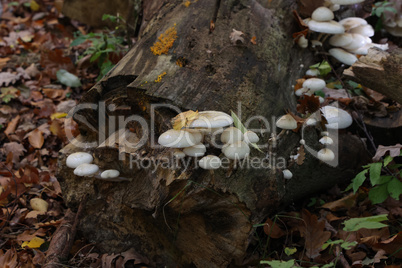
[319, 37]
[325, 38]
[279, 136]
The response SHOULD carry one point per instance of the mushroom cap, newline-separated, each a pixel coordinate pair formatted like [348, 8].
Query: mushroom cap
[286, 122]
[330, 27]
[346, 2]
[237, 150]
[341, 40]
[325, 155]
[326, 140]
[358, 41]
[334, 7]
[313, 72]
[251, 137]
[364, 50]
[343, 56]
[210, 162]
[314, 84]
[365, 30]
[76, 159]
[197, 134]
[336, 118]
[301, 91]
[351, 22]
[322, 14]
[212, 119]
[311, 122]
[177, 139]
[196, 150]
[210, 131]
[287, 174]
[86, 170]
[231, 135]
[302, 42]
[179, 154]
[110, 174]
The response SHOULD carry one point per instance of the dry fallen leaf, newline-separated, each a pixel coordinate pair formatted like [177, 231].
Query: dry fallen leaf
[345, 202]
[36, 138]
[16, 148]
[12, 126]
[273, 230]
[184, 119]
[392, 245]
[313, 232]
[393, 150]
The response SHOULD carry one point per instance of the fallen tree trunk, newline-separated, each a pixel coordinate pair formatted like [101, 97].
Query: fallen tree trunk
[177, 214]
[380, 71]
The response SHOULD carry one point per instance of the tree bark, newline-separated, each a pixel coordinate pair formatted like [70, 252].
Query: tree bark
[380, 71]
[182, 217]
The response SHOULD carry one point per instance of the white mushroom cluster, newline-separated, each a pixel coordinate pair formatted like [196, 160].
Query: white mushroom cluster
[351, 36]
[310, 86]
[189, 141]
[83, 167]
[355, 41]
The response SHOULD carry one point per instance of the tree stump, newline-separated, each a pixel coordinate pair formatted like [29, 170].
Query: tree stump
[179, 216]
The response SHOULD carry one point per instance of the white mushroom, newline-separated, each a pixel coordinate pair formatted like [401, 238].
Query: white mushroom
[358, 41]
[177, 139]
[196, 150]
[352, 22]
[231, 135]
[76, 159]
[313, 72]
[326, 140]
[179, 154]
[336, 118]
[251, 137]
[110, 174]
[211, 119]
[287, 174]
[322, 14]
[237, 150]
[286, 122]
[210, 162]
[302, 42]
[301, 91]
[325, 155]
[314, 84]
[311, 122]
[330, 27]
[198, 135]
[343, 56]
[341, 40]
[365, 30]
[86, 170]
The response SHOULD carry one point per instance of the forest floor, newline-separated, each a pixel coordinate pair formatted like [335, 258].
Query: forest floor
[35, 43]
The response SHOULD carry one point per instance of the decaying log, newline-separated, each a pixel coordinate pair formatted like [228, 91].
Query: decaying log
[185, 216]
[380, 71]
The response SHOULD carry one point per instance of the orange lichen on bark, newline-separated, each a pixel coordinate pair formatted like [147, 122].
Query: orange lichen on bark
[160, 77]
[165, 42]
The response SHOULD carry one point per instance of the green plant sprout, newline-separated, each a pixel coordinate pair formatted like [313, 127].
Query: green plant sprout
[242, 128]
[384, 177]
[378, 10]
[103, 45]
